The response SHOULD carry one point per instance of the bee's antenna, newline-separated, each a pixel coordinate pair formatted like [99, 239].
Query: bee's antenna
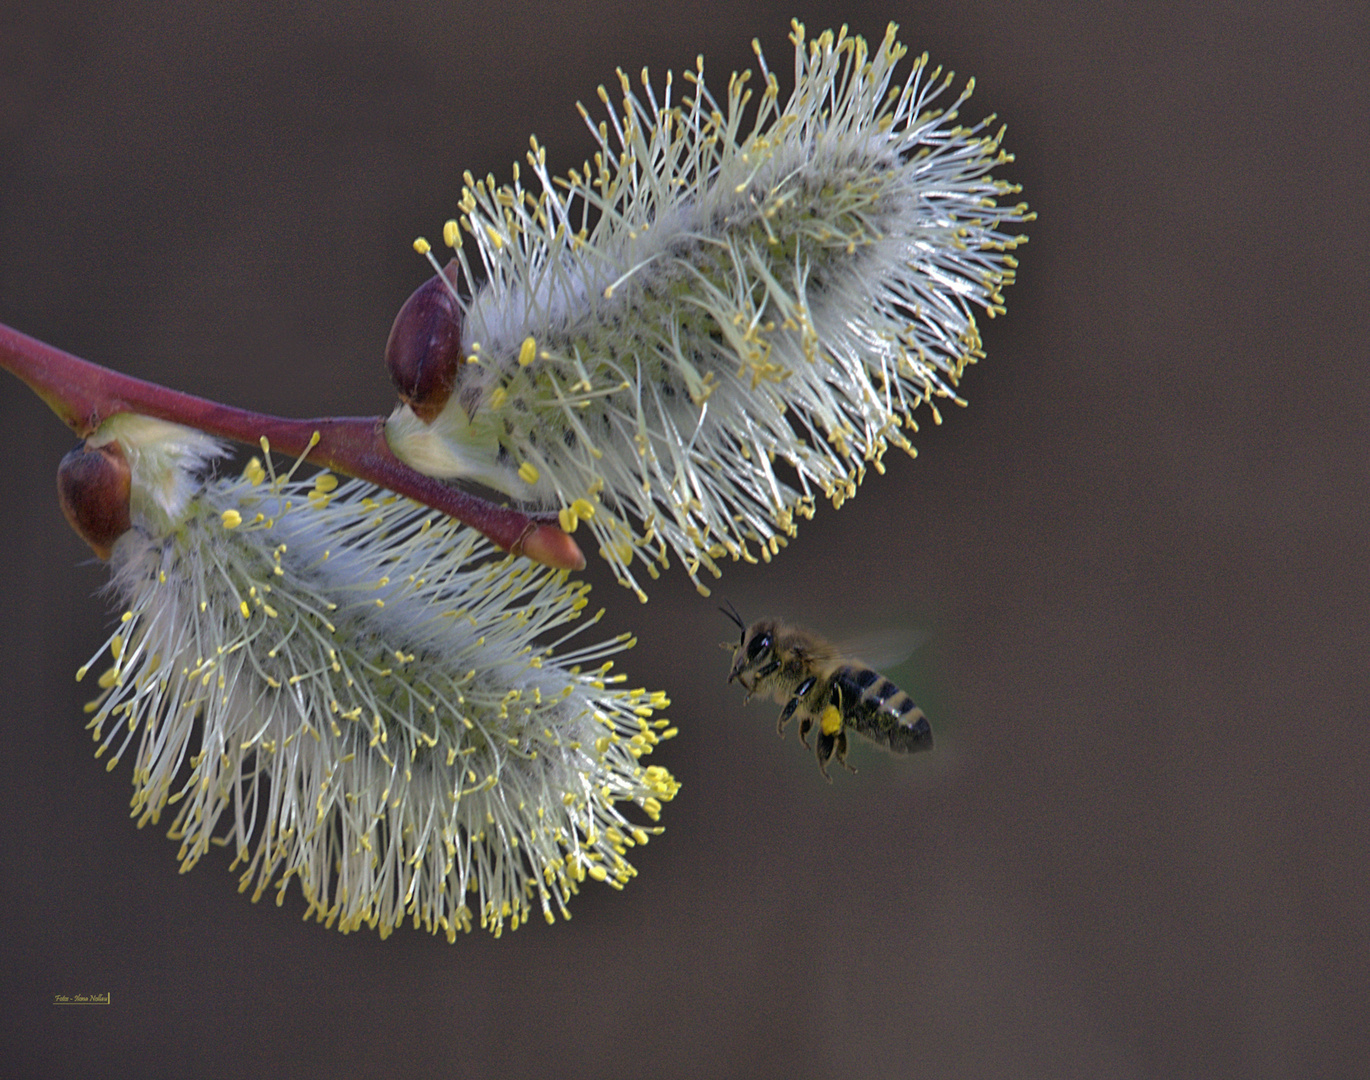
[731, 612]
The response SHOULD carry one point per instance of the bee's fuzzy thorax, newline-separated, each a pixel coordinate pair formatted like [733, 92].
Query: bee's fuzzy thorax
[699, 334]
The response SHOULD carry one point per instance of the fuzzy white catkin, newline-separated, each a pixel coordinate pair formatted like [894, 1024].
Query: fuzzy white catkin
[357, 693]
[688, 341]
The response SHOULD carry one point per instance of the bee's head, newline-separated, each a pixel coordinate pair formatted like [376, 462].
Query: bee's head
[754, 650]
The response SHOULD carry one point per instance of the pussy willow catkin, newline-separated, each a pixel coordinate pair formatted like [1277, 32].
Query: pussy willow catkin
[718, 320]
[356, 693]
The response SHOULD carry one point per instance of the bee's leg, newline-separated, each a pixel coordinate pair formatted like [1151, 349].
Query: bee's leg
[799, 692]
[842, 751]
[805, 726]
[785, 714]
[824, 745]
[759, 674]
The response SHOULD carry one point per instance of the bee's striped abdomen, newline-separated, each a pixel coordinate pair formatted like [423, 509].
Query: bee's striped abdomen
[879, 710]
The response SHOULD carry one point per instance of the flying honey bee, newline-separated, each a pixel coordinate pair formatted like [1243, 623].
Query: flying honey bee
[820, 685]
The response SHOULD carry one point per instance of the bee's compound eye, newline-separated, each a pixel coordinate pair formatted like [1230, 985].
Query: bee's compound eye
[759, 644]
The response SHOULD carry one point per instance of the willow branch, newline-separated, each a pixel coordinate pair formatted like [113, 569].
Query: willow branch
[84, 395]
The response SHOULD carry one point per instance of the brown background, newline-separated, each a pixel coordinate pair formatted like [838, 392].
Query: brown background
[1140, 557]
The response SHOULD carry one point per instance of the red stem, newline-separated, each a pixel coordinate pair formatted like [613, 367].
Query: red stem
[84, 395]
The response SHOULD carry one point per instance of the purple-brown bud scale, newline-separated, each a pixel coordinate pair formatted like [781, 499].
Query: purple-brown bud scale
[423, 352]
[93, 485]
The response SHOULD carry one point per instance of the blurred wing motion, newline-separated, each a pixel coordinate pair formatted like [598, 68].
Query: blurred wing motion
[882, 649]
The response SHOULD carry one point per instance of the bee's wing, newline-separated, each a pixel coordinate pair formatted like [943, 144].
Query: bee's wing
[882, 648]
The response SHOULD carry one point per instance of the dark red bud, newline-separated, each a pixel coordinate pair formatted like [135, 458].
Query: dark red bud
[93, 486]
[424, 349]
